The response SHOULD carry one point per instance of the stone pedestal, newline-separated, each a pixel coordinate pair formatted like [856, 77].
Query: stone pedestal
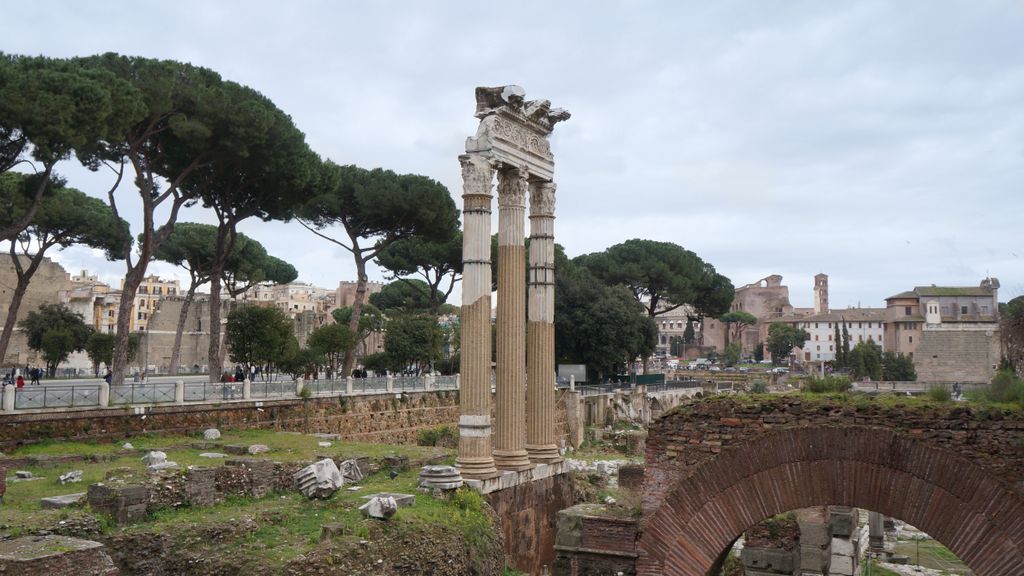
[510, 398]
[8, 400]
[179, 392]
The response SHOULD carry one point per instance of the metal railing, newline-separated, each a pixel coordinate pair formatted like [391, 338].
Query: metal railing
[142, 393]
[57, 396]
[198, 391]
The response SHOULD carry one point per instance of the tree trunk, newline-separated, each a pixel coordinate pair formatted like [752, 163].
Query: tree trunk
[225, 242]
[124, 316]
[19, 293]
[182, 317]
[357, 309]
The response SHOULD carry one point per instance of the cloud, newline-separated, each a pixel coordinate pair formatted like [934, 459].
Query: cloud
[881, 143]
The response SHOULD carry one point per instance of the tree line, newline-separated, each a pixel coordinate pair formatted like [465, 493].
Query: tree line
[174, 135]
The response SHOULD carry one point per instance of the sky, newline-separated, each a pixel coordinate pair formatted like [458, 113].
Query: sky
[881, 143]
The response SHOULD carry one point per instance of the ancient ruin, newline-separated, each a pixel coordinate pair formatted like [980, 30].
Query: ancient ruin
[511, 142]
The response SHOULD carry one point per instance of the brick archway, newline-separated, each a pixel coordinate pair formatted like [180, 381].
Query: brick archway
[715, 470]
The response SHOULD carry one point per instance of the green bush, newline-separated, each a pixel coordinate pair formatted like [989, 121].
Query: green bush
[758, 387]
[828, 385]
[1006, 386]
[443, 436]
[939, 394]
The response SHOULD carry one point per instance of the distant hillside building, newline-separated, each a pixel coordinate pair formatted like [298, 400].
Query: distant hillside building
[862, 325]
[768, 301]
[150, 291]
[952, 333]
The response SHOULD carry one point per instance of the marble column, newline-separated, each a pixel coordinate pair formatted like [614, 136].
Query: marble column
[540, 332]
[474, 458]
[510, 398]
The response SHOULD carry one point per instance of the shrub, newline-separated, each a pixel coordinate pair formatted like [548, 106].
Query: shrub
[1006, 386]
[939, 394]
[828, 384]
[443, 436]
[759, 387]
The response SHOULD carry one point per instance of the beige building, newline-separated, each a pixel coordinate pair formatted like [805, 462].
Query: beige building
[294, 298]
[150, 291]
[345, 295]
[96, 301]
[768, 301]
[951, 332]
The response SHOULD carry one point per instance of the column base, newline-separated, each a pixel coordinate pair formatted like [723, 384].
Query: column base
[477, 468]
[514, 460]
[543, 453]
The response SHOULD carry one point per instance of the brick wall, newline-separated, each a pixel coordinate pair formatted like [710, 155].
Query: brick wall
[716, 467]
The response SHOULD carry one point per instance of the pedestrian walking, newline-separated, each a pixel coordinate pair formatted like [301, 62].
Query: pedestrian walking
[36, 373]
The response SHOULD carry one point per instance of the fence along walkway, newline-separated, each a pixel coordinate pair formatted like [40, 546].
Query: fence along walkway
[101, 395]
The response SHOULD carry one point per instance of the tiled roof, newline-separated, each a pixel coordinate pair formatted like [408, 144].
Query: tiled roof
[907, 294]
[848, 314]
[926, 291]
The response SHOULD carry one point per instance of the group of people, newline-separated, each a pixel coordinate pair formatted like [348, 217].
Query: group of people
[16, 377]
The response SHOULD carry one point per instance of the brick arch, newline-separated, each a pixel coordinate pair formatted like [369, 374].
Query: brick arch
[693, 512]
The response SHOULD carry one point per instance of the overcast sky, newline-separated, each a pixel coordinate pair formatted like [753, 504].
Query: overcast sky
[879, 142]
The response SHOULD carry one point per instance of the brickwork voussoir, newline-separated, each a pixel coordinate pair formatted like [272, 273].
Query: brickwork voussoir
[717, 467]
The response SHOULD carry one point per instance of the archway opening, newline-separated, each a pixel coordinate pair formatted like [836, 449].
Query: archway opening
[687, 526]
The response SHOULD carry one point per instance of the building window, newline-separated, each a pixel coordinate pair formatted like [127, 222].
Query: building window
[906, 310]
[830, 348]
[819, 348]
[860, 324]
[963, 309]
[815, 324]
[815, 337]
[860, 338]
[829, 337]
[910, 339]
[984, 309]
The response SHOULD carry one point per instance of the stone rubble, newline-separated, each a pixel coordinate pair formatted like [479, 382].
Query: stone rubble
[212, 455]
[127, 446]
[165, 465]
[378, 507]
[64, 501]
[319, 480]
[350, 471]
[259, 449]
[72, 476]
[154, 457]
[211, 434]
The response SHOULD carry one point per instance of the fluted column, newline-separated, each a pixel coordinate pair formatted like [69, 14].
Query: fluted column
[540, 332]
[474, 459]
[510, 402]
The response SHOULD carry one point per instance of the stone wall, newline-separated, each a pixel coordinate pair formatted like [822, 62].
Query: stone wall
[386, 418]
[957, 355]
[195, 340]
[44, 288]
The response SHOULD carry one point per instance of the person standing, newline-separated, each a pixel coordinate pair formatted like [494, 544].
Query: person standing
[36, 373]
[20, 382]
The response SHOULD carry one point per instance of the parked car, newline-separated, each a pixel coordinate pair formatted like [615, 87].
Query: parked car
[780, 370]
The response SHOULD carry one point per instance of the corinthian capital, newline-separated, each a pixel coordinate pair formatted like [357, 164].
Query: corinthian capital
[542, 199]
[512, 187]
[477, 175]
